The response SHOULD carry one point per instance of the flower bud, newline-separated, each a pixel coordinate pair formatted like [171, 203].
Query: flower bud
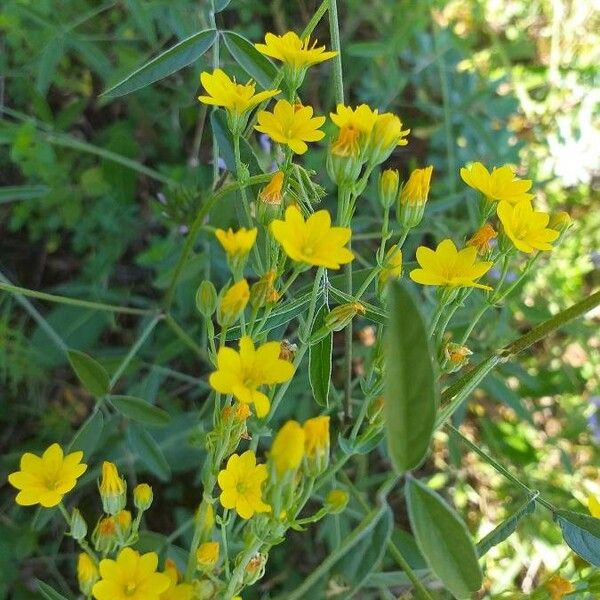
[123, 523]
[343, 170]
[457, 355]
[207, 555]
[316, 445]
[341, 315]
[233, 302]
[288, 448]
[336, 501]
[206, 299]
[78, 526]
[386, 135]
[113, 489]
[263, 293]
[105, 537]
[255, 568]
[389, 181]
[413, 197]
[270, 199]
[87, 573]
[142, 496]
[482, 239]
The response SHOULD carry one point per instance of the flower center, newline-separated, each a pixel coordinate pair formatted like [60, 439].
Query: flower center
[241, 487]
[130, 588]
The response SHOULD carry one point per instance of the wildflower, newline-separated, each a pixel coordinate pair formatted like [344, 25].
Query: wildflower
[558, 587]
[392, 266]
[237, 244]
[389, 181]
[288, 447]
[207, 555]
[130, 577]
[112, 489]
[241, 483]
[293, 51]
[386, 135]
[594, 506]
[271, 193]
[87, 573]
[362, 118]
[447, 266]
[241, 374]
[235, 97]
[341, 315]
[413, 197]
[263, 291]
[291, 125]
[45, 480]
[142, 496]
[313, 241]
[482, 238]
[317, 444]
[526, 227]
[500, 184]
[234, 302]
[336, 501]
[176, 590]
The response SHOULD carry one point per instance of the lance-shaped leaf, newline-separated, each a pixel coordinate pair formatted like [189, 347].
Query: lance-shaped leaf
[582, 533]
[250, 59]
[140, 410]
[319, 362]
[92, 374]
[411, 392]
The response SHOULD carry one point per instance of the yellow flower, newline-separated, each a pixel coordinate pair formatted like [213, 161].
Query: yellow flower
[112, 489]
[237, 244]
[241, 482]
[316, 446]
[142, 496]
[234, 301]
[313, 241]
[336, 500]
[241, 374]
[447, 266]
[594, 506]
[288, 447]
[389, 181]
[416, 189]
[130, 577]
[386, 135]
[235, 97]
[123, 521]
[176, 591]
[87, 573]
[482, 239]
[500, 184]
[291, 125]
[293, 51]
[45, 480]
[207, 554]
[392, 268]
[526, 227]
[271, 193]
[362, 118]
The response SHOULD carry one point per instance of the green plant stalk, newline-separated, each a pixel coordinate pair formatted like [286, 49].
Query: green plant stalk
[82, 543]
[334, 33]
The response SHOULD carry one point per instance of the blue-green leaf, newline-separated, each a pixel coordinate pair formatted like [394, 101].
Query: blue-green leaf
[319, 361]
[411, 393]
[140, 410]
[92, 374]
[88, 436]
[170, 61]
[148, 451]
[250, 59]
[582, 534]
[48, 592]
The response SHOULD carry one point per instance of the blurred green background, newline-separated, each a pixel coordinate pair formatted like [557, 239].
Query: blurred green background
[96, 195]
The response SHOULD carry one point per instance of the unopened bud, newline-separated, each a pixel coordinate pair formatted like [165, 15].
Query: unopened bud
[343, 170]
[255, 568]
[388, 187]
[142, 496]
[207, 555]
[336, 501]
[413, 197]
[105, 537]
[341, 315]
[87, 573]
[206, 299]
[113, 489]
[78, 526]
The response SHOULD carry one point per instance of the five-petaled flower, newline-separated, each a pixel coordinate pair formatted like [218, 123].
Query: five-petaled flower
[241, 483]
[130, 577]
[293, 51]
[238, 243]
[314, 241]
[447, 266]
[242, 373]
[500, 184]
[526, 228]
[290, 124]
[45, 480]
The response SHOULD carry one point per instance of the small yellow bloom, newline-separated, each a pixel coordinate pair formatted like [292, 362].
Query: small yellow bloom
[291, 125]
[235, 97]
[288, 447]
[130, 577]
[526, 227]
[389, 182]
[87, 573]
[123, 521]
[293, 51]
[207, 555]
[271, 193]
[392, 268]
[416, 189]
[237, 244]
[361, 119]
[336, 500]
[447, 266]
[347, 143]
[112, 489]
[482, 238]
[594, 506]
[500, 184]
[316, 446]
[176, 591]
[234, 301]
[45, 480]
[386, 135]
[314, 241]
[241, 482]
[558, 587]
[241, 374]
[142, 496]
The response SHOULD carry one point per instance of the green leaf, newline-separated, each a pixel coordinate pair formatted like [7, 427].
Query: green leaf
[88, 436]
[411, 394]
[48, 62]
[172, 60]
[507, 527]
[148, 451]
[582, 534]
[91, 373]
[319, 360]
[22, 192]
[220, 5]
[140, 410]
[443, 539]
[250, 59]
[48, 592]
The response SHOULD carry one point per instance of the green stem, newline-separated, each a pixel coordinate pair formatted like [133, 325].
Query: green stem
[334, 33]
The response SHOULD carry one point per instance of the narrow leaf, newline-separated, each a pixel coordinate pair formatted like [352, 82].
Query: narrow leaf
[582, 534]
[148, 451]
[48, 592]
[88, 436]
[319, 371]
[250, 59]
[170, 61]
[140, 410]
[411, 394]
[443, 539]
[92, 374]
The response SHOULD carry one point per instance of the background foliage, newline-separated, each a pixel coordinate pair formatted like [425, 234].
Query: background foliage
[97, 194]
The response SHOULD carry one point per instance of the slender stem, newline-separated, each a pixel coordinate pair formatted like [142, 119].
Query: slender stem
[334, 33]
[403, 564]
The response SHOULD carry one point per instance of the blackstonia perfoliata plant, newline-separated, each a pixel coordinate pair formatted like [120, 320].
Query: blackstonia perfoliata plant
[292, 272]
